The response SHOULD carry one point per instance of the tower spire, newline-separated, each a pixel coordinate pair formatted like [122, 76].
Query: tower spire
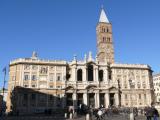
[103, 16]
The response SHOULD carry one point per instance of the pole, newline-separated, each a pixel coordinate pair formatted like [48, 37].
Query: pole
[131, 98]
[4, 81]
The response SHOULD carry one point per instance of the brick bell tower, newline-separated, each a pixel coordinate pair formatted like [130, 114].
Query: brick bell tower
[105, 50]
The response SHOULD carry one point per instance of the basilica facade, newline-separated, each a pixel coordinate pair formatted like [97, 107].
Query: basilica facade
[36, 84]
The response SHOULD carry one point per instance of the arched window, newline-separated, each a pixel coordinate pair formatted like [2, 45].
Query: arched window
[90, 72]
[79, 75]
[100, 75]
[108, 39]
[103, 29]
[107, 30]
[104, 39]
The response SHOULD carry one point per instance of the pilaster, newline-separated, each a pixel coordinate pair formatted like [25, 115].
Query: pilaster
[85, 98]
[106, 100]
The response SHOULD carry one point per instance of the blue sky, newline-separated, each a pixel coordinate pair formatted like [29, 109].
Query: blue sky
[58, 29]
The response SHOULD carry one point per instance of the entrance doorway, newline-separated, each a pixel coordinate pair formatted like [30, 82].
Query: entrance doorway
[102, 99]
[91, 99]
[80, 98]
[69, 99]
[111, 99]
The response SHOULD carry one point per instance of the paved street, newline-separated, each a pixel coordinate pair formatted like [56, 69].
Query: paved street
[114, 117]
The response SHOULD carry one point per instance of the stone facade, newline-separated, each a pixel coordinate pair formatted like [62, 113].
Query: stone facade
[36, 84]
[156, 83]
[105, 43]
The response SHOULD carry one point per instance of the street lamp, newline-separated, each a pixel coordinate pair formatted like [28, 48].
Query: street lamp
[131, 88]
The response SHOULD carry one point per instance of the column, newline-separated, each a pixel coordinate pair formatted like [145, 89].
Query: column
[97, 100]
[84, 73]
[116, 97]
[74, 97]
[85, 98]
[106, 78]
[106, 100]
[74, 71]
[96, 74]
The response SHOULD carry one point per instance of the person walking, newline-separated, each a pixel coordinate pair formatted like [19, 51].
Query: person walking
[155, 114]
[149, 113]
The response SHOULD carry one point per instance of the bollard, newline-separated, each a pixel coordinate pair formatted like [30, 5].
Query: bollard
[70, 116]
[131, 116]
[87, 116]
[75, 114]
[65, 115]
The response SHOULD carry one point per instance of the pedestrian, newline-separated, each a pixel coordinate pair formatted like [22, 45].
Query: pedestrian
[149, 113]
[155, 114]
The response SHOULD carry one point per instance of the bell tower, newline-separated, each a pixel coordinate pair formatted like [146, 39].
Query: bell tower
[105, 50]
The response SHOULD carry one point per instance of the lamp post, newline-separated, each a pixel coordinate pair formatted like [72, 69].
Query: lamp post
[131, 111]
[3, 89]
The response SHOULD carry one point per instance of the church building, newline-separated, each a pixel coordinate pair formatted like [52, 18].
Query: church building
[37, 85]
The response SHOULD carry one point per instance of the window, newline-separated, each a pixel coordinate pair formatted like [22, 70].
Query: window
[100, 75]
[79, 75]
[108, 39]
[51, 86]
[33, 97]
[58, 76]
[33, 86]
[107, 30]
[103, 29]
[51, 68]
[58, 68]
[145, 96]
[138, 85]
[50, 97]
[34, 67]
[25, 86]
[90, 72]
[26, 76]
[43, 70]
[104, 39]
[51, 77]
[126, 96]
[110, 74]
[34, 77]
[26, 67]
[25, 96]
[139, 96]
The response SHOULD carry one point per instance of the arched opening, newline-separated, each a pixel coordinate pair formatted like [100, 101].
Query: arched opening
[107, 30]
[90, 72]
[79, 75]
[100, 75]
[104, 39]
[103, 29]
